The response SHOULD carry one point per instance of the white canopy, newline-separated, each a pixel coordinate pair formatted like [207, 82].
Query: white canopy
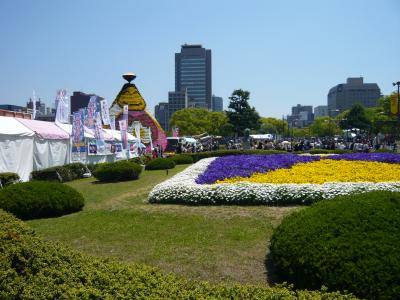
[10, 126]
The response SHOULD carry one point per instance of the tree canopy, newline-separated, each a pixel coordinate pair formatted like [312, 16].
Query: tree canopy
[324, 126]
[240, 114]
[273, 126]
[193, 121]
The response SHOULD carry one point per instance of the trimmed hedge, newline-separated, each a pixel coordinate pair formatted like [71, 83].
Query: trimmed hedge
[39, 199]
[142, 160]
[160, 164]
[8, 178]
[117, 171]
[182, 159]
[200, 155]
[349, 243]
[326, 151]
[31, 268]
[60, 173]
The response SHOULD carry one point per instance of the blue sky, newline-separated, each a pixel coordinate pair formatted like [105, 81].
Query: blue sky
[283, 52]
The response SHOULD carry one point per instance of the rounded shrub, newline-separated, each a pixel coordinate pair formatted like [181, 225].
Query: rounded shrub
[350, 243]
[160, 164]
[40, 199]
[8, 178]
[117, 171]
[182, 159]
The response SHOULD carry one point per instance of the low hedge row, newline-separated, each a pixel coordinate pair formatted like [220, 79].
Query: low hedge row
[60, 173]
[117, 171]
[182, 159]
[8, 178]
[40, 199]
[349, 243]
[160, 164]
[31, 268]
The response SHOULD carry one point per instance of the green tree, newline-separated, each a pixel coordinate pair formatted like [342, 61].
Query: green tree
[240, 114]
[324, 126]
[193, 121]
[356, 117]
[273, 126]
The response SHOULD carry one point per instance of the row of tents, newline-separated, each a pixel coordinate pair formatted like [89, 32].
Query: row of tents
[29, 145]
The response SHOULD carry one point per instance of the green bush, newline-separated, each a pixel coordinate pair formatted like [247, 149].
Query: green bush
[142, 160]
[31, 268]
[8, 178]
[160, 164]
[182, 159]
[349, 243]
[117, 171]
[60, 173]
[40, 199]
[77, 169]
[326, 151]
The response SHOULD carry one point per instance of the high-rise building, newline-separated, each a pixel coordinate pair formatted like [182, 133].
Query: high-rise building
[343, 96]
[302, 116]
[40, 106]
[320, 111]
[80, 100]
[161, 115]
[217, 103]
[193, 72]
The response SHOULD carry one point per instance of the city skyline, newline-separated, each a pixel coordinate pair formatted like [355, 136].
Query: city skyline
[277, 53]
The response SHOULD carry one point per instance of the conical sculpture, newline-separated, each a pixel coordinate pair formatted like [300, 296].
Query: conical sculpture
[130, 95]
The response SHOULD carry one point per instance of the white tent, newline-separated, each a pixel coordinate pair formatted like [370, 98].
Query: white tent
[16, 148]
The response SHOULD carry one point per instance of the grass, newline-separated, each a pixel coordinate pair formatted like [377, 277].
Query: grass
[214, 243]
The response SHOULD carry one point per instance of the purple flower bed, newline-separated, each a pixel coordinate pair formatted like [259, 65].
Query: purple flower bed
[379, 157]
[245, 165]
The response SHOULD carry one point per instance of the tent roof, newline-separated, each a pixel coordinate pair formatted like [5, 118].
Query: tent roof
[45, 130]
[10, 126]
[116, 134]
[68, 128]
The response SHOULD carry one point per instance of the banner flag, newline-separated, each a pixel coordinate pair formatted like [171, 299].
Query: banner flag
[112, 122]
[78, 133]
[124, 135]
[98, 129]
[91, 112]
[34, 106]
[62, 112]
[125, 113]
[105, 113]
[394, 106]
[175, 132]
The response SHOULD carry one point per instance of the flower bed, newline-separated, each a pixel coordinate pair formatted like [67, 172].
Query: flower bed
[183, 188]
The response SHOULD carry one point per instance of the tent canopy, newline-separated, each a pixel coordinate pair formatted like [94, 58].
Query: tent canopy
[10, 126]
[45, 130]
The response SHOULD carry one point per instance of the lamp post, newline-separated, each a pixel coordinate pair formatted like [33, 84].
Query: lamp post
[398, 98]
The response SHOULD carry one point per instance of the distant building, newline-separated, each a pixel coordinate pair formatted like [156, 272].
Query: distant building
[161, 114]
[320, 111]
[302, 116]
[217, 103]
[343, 96]
[193, 72]
[40, 106]
[11, 107]
[80, 100]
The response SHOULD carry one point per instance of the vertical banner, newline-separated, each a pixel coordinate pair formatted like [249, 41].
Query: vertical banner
[78, 135]
[394, 106]
[124, 135]
[62, 107]
[98, 129]
[34, 106]
[112, 122]
[125, 116]
[91, 112]
[175, 132]
[105, 114]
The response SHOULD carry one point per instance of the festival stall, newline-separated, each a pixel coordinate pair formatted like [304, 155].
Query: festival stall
[16, 147]
[51, 144]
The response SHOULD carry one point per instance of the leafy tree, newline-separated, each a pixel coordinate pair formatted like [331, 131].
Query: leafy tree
[192, 121]
[356, 118]
[324, 126]
[301, 132]
[273, 126]
[240, 114]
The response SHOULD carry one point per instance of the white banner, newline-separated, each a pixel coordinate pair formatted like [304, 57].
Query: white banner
[105, 113]
[112, 122]
[124, 135]
[126, 113]
[91, 112]
[62, 107]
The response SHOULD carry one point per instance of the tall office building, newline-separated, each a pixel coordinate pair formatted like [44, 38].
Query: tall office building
[40, 106]
[217, 103]
[193, 72]
[302, 116]
[320, 111]
[161, 115]
[343, 96]
[80, 100]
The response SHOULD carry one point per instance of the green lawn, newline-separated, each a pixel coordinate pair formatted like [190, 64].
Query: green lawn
[214, 243]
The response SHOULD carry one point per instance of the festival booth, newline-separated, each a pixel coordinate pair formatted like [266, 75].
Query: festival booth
[51, 144]
[16, 147]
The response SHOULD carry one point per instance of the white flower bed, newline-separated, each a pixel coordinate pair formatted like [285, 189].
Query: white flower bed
[182, 188]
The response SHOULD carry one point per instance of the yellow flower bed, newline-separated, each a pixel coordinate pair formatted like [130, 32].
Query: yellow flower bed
[326, 170]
